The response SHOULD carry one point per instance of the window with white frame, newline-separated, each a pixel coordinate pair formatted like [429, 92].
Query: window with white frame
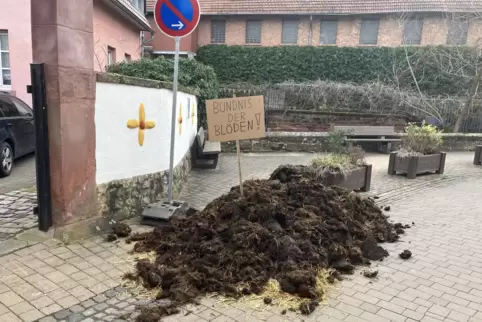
[110, 55]
[127, 58]
[5, 73]
[289, 32]
[139, 4]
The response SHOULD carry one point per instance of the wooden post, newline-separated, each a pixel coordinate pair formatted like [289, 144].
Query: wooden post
[238, 152]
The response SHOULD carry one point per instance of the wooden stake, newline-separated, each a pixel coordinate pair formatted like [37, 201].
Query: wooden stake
[238, 152]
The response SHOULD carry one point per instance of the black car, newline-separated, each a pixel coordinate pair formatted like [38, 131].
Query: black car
[17, 131]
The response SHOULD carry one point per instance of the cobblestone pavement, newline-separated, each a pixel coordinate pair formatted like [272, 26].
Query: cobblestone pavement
[23, 175]
[50, 281]
[16, 213]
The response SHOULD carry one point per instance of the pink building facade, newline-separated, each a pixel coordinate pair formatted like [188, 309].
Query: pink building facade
[118, 33]
[15, 47]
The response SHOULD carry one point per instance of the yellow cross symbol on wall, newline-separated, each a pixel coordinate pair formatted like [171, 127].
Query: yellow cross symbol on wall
[192, 114]
[179, 119]
[142, 124]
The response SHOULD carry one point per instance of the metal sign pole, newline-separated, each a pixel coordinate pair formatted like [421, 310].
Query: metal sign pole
[173, 121]
[176, 19]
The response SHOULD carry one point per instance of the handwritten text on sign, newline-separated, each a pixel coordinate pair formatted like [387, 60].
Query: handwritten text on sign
[237, 118]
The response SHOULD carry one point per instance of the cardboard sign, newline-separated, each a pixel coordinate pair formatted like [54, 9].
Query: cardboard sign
[237, 118]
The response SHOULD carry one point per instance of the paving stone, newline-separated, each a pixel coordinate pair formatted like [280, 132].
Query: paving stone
[76, 308]
[31, 315]
[88, 303]
[51, 309]
[112, 311]
[42, 302]
[101, 306]
[111, 293]
[10, 298]
[130, 308]
[100, 315]
[113, 301]
[10, 317]
[89, 312]
[67, 301]
[100, 298]
[21, 308]
[47, 319]
[121, 305]
[58, 294]
[62, 314]
[76, 317]
[120, 289]
[3, 309]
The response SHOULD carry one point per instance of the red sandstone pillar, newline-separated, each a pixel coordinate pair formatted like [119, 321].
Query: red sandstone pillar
[62, 38]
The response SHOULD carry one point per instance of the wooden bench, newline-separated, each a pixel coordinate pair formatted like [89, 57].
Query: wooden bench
[206, 153]
[384, 136]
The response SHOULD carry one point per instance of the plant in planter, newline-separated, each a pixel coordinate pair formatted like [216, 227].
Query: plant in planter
[344, 166]
[419, 152]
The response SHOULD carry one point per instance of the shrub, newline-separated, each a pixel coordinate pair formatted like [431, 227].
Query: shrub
[260, 65]
[192, 74]
[343, 157]
[333, 163]
[421, 140]
[337, 142]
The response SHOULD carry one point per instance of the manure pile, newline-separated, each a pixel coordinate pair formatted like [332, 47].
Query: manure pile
[287, 229]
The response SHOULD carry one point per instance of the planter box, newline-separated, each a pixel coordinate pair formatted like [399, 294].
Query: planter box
[413, 166]
[478, 155]
[358, 179]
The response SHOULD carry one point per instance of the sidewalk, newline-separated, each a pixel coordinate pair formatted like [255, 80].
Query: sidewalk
[49, 281]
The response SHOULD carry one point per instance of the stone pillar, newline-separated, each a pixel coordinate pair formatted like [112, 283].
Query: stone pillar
[62, 38]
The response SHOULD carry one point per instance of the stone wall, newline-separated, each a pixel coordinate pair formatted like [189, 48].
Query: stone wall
[126, 198]
[321, 121]
[316, 142]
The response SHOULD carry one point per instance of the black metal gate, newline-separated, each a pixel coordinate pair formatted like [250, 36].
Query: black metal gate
[42, 162]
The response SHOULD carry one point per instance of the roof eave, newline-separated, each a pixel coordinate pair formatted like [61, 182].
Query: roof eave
[128, 11]
[328, 13]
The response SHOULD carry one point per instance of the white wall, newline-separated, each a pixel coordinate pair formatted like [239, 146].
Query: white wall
[118, 153]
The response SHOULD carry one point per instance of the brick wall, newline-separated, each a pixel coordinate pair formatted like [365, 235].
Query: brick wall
[316, 142]
[390, 33]
[435, 29]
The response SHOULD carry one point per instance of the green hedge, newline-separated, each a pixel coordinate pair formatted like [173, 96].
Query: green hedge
[258, 65]
[192, 74]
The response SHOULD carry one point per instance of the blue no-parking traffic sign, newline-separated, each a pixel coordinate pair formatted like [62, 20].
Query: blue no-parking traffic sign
[177, 18]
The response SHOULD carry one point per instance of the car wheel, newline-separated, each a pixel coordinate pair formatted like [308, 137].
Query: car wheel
[6, 159]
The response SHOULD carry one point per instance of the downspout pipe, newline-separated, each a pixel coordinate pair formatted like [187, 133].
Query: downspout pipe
[310, 34]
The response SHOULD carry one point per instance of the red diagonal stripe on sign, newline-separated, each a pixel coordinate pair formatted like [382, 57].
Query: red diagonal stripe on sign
[176, 12]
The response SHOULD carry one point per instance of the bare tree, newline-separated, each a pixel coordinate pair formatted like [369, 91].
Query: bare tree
[455, 63]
